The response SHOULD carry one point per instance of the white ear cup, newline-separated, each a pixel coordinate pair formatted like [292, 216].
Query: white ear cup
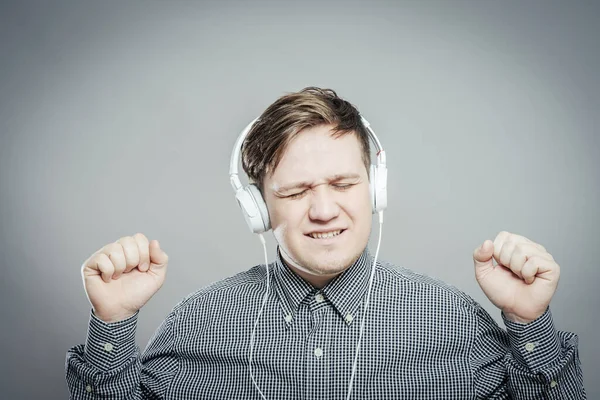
[372, 184]
[253, 208]
[380, 194]
[262, 208]
[378, 187]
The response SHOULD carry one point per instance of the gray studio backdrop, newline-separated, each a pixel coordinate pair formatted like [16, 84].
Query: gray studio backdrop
[119, 117]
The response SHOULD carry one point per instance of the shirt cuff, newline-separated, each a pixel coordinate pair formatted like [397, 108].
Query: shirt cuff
[109, 346]
[535, 344]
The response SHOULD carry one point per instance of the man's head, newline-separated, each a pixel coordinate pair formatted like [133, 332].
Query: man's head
[309, 155]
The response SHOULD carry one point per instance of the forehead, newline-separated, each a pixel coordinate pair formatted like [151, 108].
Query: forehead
[315, 154]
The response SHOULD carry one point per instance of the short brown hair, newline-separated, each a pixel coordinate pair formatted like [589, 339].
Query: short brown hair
[266, 142]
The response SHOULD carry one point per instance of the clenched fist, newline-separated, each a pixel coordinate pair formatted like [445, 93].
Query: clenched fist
[122, 276]
[524, 279]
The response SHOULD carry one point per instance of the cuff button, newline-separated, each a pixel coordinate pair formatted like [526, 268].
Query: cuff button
[529, 347]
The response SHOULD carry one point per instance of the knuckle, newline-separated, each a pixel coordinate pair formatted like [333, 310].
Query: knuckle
[90, 263]
[115, 254]
[536, 259]
[512, 239]
[130, 249]
[520, 249]
[140, 237]
[502, 234]
[111, 248]
[99, 259]
[104, 266]
[91, 259]
[120, 266]
[133, 258]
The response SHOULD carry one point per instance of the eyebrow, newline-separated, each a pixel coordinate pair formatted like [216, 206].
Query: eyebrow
[304, 184]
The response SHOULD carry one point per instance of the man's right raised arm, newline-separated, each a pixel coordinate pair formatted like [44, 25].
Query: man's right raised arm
[110, 364]
[119, 279]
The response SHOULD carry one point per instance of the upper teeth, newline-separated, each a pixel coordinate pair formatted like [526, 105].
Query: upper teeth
[325, 235]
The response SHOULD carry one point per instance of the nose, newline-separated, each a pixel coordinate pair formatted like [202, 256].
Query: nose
[323, 205]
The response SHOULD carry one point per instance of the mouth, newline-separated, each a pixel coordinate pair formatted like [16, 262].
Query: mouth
[325, 235]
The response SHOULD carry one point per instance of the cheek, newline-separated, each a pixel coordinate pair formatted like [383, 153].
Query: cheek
[286, 216]
[359, 206]
[279, 231]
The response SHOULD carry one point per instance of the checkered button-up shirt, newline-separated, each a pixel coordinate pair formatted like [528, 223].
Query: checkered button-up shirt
[423, 339]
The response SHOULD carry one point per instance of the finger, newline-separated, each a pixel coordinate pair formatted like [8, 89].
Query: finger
[482, 256]
[158, 258]
[499, 241]
[504, 235]
[530, 269]
[143, 250]
[523, 252]
[102, 265]
[537, 267]
[114, 251]
[505, 238]
[506, 252]
[132, 254]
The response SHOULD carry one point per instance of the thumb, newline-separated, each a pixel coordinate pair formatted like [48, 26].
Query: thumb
[482, 256]
[158, 258]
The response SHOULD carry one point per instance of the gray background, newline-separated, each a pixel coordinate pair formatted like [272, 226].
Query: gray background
[119, 117]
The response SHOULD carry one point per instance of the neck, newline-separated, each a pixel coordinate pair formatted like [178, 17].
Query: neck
[317, 281]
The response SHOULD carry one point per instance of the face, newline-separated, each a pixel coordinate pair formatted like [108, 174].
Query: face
[319, 204]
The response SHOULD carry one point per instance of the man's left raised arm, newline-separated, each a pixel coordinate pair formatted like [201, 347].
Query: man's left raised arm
[532, 359]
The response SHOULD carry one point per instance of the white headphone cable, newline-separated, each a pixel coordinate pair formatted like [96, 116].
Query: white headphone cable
[262, 240]
[362, 322]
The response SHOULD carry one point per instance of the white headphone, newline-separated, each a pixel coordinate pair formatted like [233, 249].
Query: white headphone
[254, 207]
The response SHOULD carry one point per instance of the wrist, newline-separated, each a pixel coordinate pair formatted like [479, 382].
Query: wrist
[111, 318]
[524, 318]
[516, 318]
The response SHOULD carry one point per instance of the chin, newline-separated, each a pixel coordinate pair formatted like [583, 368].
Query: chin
[329, 262]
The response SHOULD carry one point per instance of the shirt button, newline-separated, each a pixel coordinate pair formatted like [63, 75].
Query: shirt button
[288, 318]
[108, 347]
[319, 298]
[349, 318]
[88, 388]
[553, 384]
[318, 352]
[529, 347]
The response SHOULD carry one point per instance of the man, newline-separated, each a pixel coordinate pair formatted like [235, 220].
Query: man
[309, 155]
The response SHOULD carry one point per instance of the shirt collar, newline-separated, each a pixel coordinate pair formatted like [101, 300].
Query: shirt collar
[291, 289]
[345, 292]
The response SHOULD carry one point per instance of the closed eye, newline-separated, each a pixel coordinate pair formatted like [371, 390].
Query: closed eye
[338, 186]
[296, 195]
[343, 186]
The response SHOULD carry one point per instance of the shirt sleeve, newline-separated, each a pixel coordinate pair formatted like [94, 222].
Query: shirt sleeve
[525, 361]
[110, 364]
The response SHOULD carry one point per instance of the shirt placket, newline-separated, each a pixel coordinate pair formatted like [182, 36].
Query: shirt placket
[318, 351]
